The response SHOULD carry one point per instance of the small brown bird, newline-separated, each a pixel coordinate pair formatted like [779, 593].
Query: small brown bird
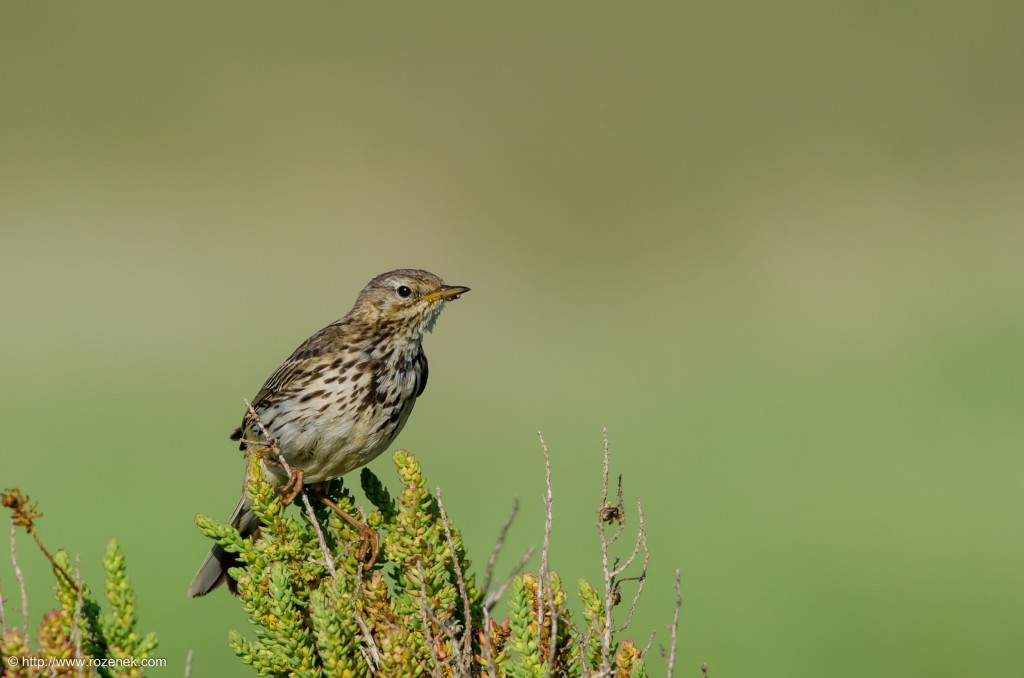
[342, 396]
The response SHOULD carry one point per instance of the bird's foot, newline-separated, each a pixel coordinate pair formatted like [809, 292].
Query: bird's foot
[369, 546]
[291, 489]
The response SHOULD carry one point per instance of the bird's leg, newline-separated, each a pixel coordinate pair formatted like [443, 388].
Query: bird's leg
[293, 485]
[291, 489]
[367, 535]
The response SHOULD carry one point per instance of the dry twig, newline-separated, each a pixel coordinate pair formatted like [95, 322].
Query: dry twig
[502, 534]
[485, 646]
[20, 577]
[608, 513]
[493, 599]
[76, 628]
[373, 661]
[641, 542]
[466, 657]
[424, 613]
[673, 630]
[545, 566]
[3, 614]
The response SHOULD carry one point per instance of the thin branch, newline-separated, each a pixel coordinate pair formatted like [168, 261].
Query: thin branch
[581, 641]
[3, 615]
[374, 665]
[328, 558]
[650, 641]
[442, 625]
[608, 514]
[545, 566]
[492, 561]
[616, 514]
[485, 646]
[21, 585]
[76, 626]
[603, 517]
[492, 599]
[446, 627]
[269, 439]
[188, 664]
[674, 628]
[431, 643]
[641, 540]
[367, 659]
[486, 649]
[581, 646]
[466, 659]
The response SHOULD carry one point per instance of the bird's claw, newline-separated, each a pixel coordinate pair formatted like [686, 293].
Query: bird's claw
[291, 489]
[368, 539]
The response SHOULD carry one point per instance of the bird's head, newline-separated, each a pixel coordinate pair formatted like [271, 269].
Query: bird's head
[407, 300]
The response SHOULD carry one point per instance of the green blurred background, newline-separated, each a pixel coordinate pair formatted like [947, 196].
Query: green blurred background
[774, 248]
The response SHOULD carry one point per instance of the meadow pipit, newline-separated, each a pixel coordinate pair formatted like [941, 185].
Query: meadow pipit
[342, 396]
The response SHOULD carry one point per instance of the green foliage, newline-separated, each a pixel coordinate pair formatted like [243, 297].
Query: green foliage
[318, 609]
[593, 614]
[119, 624]
[76, 631]
[537, 615]
[416, 611]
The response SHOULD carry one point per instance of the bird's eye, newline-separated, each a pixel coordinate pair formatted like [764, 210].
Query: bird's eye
[403, 291]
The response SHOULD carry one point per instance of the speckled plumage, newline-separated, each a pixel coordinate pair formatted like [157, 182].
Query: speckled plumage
[343, 395]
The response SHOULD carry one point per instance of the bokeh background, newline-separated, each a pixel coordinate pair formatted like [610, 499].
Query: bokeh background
[774, 248]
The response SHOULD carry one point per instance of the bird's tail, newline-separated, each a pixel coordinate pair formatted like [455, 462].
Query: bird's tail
[214, 570]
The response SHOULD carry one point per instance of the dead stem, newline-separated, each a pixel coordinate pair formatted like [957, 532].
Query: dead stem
[20, 577]
[545, 566]
[502, 534]
[76, 628]
[606, 635]
[424, 612]
[466, 659]
[374, 665]
[674, 628]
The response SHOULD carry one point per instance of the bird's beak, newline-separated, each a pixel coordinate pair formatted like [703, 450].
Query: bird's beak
[446, 293]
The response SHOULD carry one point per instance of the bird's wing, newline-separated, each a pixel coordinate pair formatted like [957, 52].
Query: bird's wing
[422, 386]
[275, 385]
[297, 364]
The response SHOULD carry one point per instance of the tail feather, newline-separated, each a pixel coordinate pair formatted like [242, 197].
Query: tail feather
[214, 570]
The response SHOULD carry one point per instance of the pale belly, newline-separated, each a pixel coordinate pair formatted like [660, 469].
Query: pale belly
[330, 446]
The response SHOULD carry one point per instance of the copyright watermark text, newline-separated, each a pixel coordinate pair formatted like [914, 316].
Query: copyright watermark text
[15, 661]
